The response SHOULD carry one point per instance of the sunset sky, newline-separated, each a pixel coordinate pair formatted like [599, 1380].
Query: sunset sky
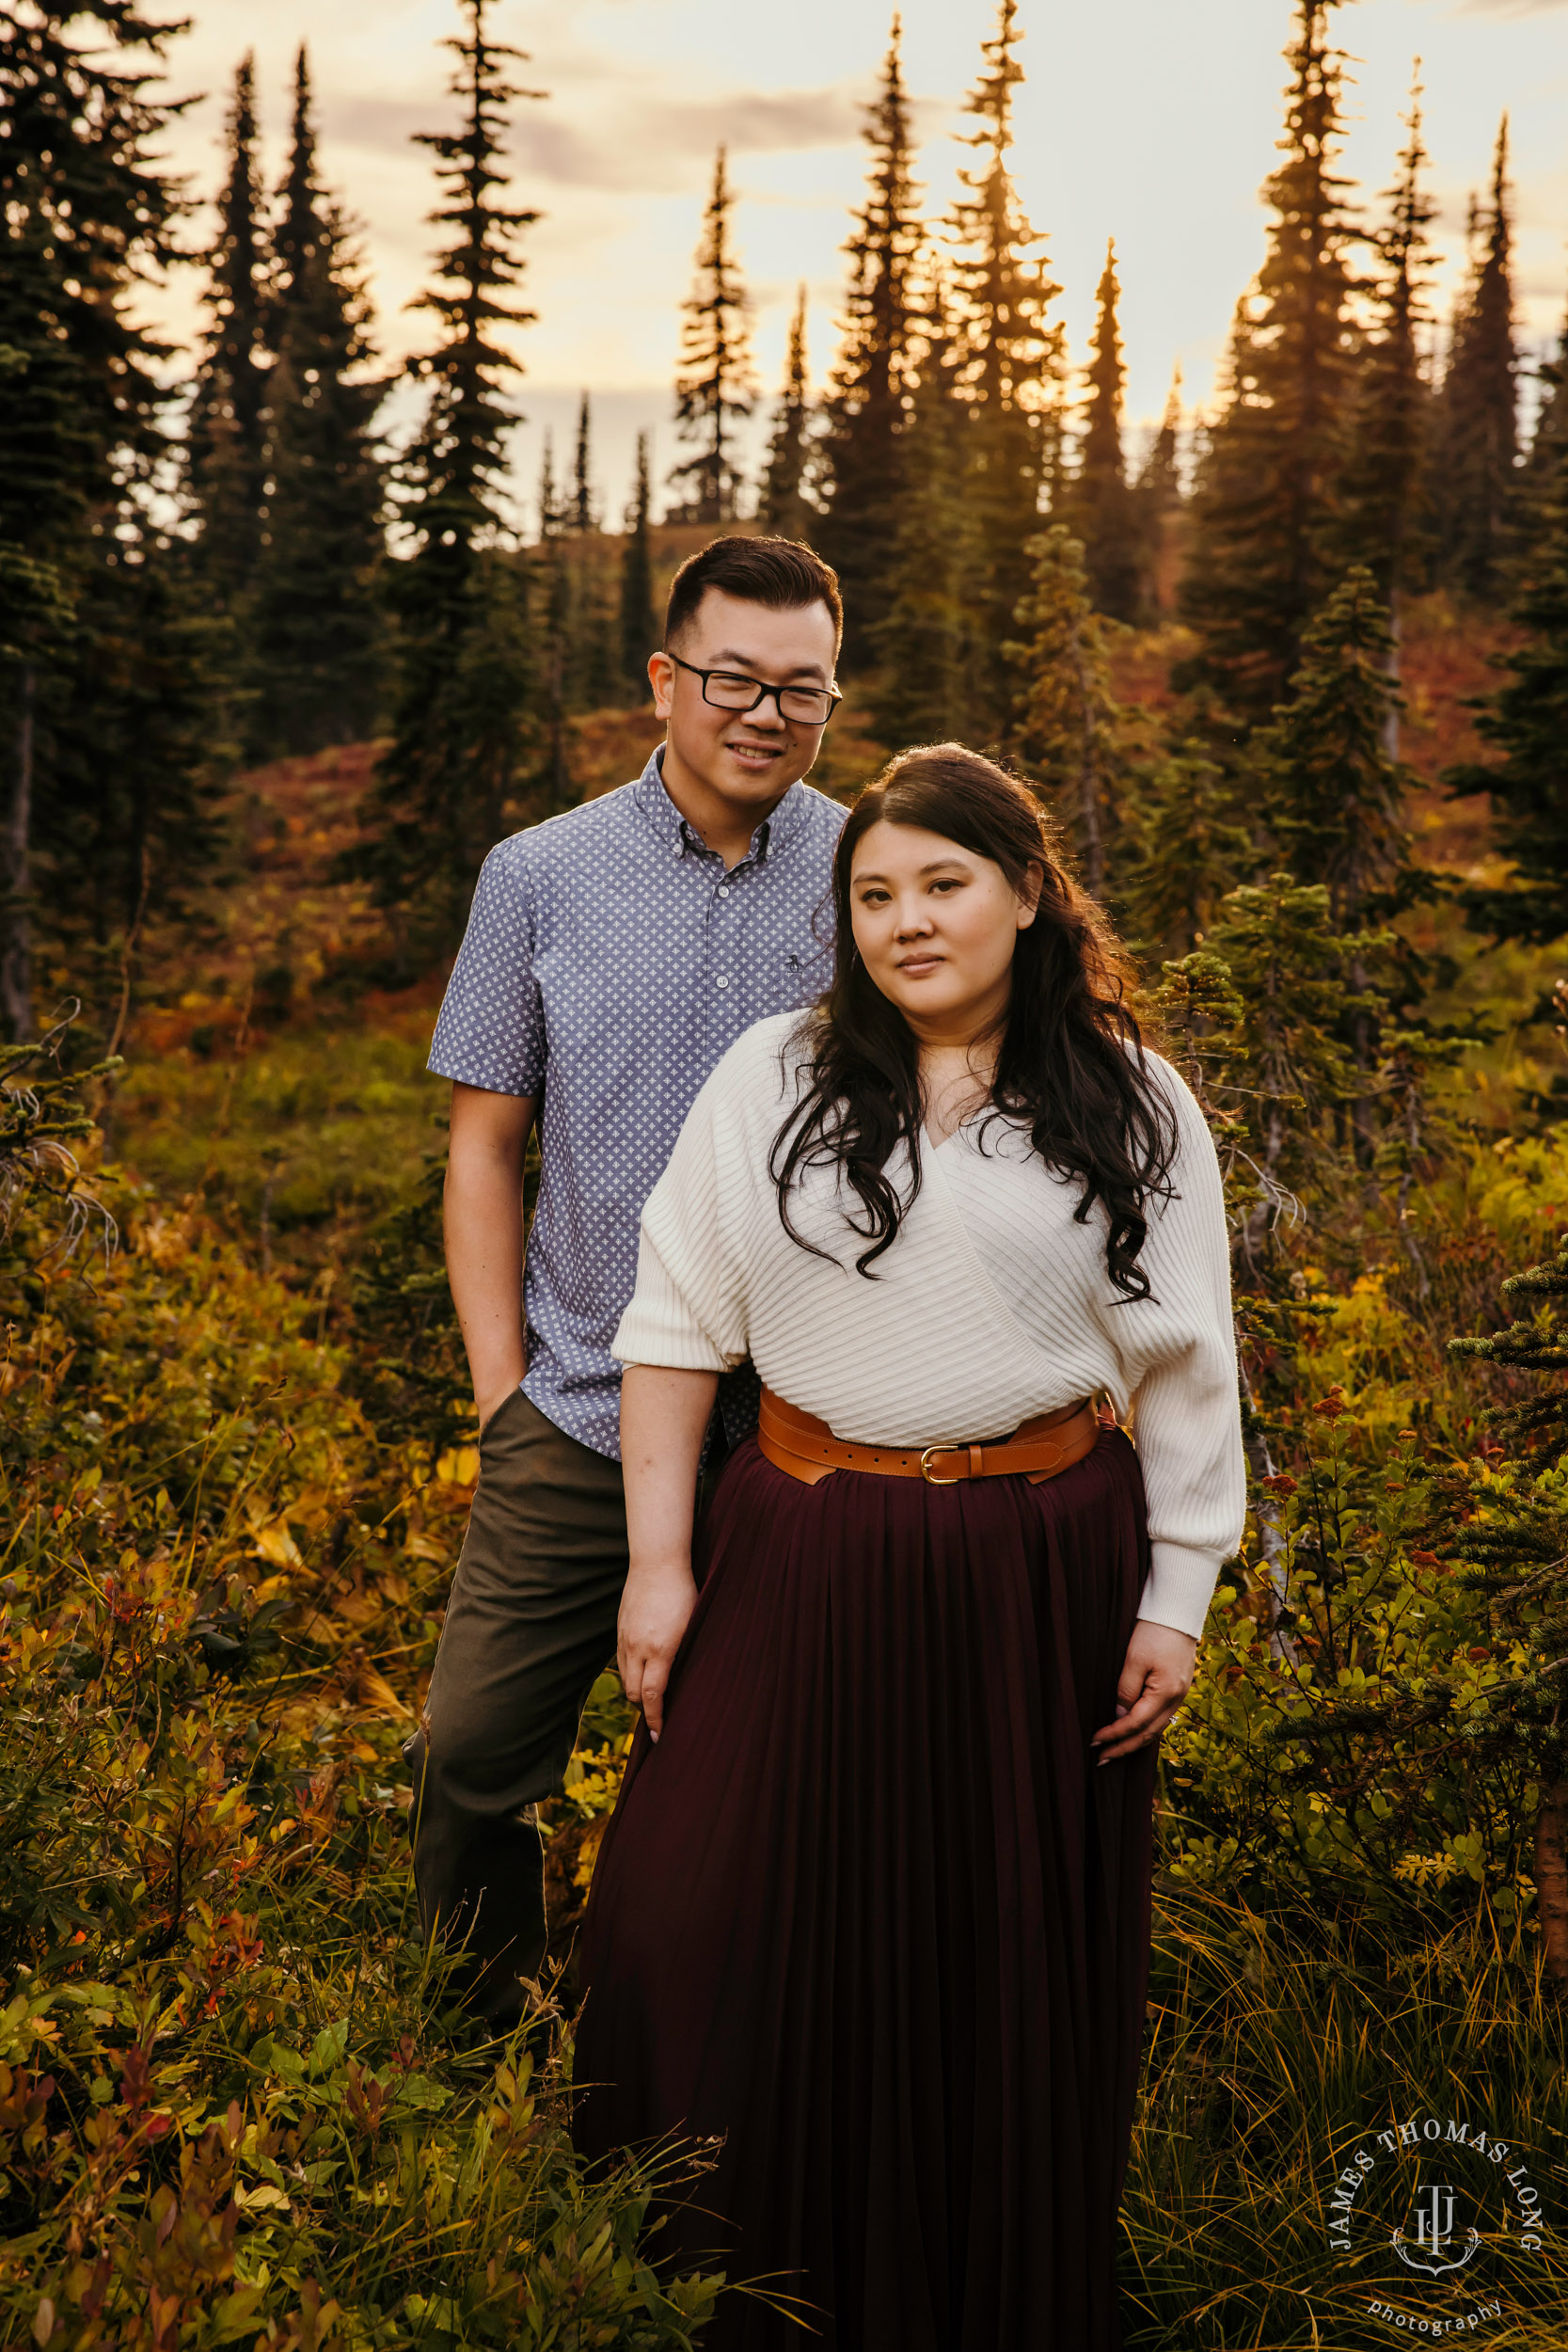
[1149, 120]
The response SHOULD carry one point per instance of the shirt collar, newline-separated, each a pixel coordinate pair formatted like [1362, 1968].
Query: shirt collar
[671, 829]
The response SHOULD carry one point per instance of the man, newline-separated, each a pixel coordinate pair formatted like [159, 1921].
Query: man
[612, 954]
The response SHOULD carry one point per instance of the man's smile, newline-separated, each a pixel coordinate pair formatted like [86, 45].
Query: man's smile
[755, 755]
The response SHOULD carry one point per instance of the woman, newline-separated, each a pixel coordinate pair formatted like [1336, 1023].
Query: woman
[874, 1902]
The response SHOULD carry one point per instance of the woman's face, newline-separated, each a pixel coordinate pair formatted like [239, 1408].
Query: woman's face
[936, 926]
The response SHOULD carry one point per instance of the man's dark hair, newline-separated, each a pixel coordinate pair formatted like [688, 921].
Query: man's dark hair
[782, 574]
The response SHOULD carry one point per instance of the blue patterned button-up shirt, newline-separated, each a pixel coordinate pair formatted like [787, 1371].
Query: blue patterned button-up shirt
[610, 961]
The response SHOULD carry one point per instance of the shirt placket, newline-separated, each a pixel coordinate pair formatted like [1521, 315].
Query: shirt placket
[727, 888]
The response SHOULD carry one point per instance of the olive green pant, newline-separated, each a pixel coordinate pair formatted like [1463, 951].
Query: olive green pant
[530, 1627]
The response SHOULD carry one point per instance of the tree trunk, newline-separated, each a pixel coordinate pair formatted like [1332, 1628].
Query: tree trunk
[16, 950]
[1551, 1879]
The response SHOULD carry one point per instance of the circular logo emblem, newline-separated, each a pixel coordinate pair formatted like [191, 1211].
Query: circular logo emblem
[1437, 2198]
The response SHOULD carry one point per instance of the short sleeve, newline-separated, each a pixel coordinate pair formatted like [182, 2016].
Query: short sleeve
[490, 1032]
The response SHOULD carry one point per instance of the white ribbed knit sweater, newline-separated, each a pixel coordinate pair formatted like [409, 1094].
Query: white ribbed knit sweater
[991, 1305]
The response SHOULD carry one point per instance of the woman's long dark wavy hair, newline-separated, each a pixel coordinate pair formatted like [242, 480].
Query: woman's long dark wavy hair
[1071, 1057]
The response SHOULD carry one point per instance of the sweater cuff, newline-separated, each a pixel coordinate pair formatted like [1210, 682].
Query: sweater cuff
[659, 1327]
[1180, 1585]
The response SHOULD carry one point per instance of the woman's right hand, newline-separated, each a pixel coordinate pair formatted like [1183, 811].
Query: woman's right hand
[656, 1608]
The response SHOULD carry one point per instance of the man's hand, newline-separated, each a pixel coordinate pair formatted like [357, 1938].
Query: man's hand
[485, 1236]
[1156, 1676]
[655, 1610]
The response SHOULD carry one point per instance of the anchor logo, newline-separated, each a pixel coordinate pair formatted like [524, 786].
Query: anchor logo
[1432, 2220]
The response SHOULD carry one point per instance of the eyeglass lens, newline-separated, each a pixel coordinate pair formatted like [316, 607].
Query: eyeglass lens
[733, 692]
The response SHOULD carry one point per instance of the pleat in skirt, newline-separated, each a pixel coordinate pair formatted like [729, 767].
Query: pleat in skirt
[871, 1910]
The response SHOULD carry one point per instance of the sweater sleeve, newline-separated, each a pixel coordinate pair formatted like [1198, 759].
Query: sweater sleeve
[688, 1307]
[1187, 1404]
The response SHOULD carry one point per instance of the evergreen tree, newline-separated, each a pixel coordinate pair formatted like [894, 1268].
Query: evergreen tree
[1478, 417]
[555, 603]
[85, 212]
[1009, 360]
[1102, 510]
[1183, 847]
[593, 663]
[784, 510]
[925, 643]
[1294, 1072]
[1511, 1534]
[1334, 799]
[228, 431]
[1386, 480]
[1069, 728]
[1265, 512]
[584, 509]
[315, 628]
[1538, 477]
[639, 628]
[465, 691]
[715, 387]
[1525, 722]
[128, 818]
[1158, 502]
[867, 409]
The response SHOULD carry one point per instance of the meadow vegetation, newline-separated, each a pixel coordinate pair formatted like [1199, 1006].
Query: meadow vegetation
[1295, 681]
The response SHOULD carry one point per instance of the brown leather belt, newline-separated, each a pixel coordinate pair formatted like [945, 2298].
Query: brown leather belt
[1042, 1448]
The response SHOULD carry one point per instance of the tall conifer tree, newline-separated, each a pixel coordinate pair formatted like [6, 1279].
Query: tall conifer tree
[1386, 481]
[1535, 494]
[1158, 500]
[1335, 799]
[84, 210]
[554, 600]
[715, 388]
[585, 512]
[1102, 506]
[1479, 416]
[783, 509]
[1526, 724]
[1010, 358]
[1265, 515]
[639, 628]
[228, 432]
[315, 627]
[925, 643]
[466, 686]
[1069, 725]
[866, 411]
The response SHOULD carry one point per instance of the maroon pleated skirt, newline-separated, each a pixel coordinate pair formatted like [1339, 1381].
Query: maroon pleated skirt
[872, 1910]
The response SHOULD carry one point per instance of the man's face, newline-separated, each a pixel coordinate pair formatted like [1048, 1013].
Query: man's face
[747, 757]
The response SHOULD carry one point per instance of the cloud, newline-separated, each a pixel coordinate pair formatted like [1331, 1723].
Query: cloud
[627, 146]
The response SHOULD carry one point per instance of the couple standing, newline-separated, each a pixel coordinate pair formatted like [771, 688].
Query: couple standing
[874, 1900]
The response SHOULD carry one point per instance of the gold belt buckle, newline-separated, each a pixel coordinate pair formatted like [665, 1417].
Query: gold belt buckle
[929, 1474]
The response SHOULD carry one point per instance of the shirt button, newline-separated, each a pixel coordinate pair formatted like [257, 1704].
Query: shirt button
[721, 981]
[723, 890]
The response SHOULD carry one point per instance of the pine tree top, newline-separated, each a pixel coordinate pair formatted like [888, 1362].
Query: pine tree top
[1100, 457]
[1002, 288]
[874, 364]
[482, 261]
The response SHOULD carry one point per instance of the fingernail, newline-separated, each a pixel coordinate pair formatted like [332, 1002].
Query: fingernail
[653, 1736]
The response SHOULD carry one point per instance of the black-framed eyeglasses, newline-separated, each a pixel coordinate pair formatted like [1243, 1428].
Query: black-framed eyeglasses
[730, 690]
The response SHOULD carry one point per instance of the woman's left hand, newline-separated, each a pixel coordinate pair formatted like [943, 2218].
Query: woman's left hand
[1156, 1676]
